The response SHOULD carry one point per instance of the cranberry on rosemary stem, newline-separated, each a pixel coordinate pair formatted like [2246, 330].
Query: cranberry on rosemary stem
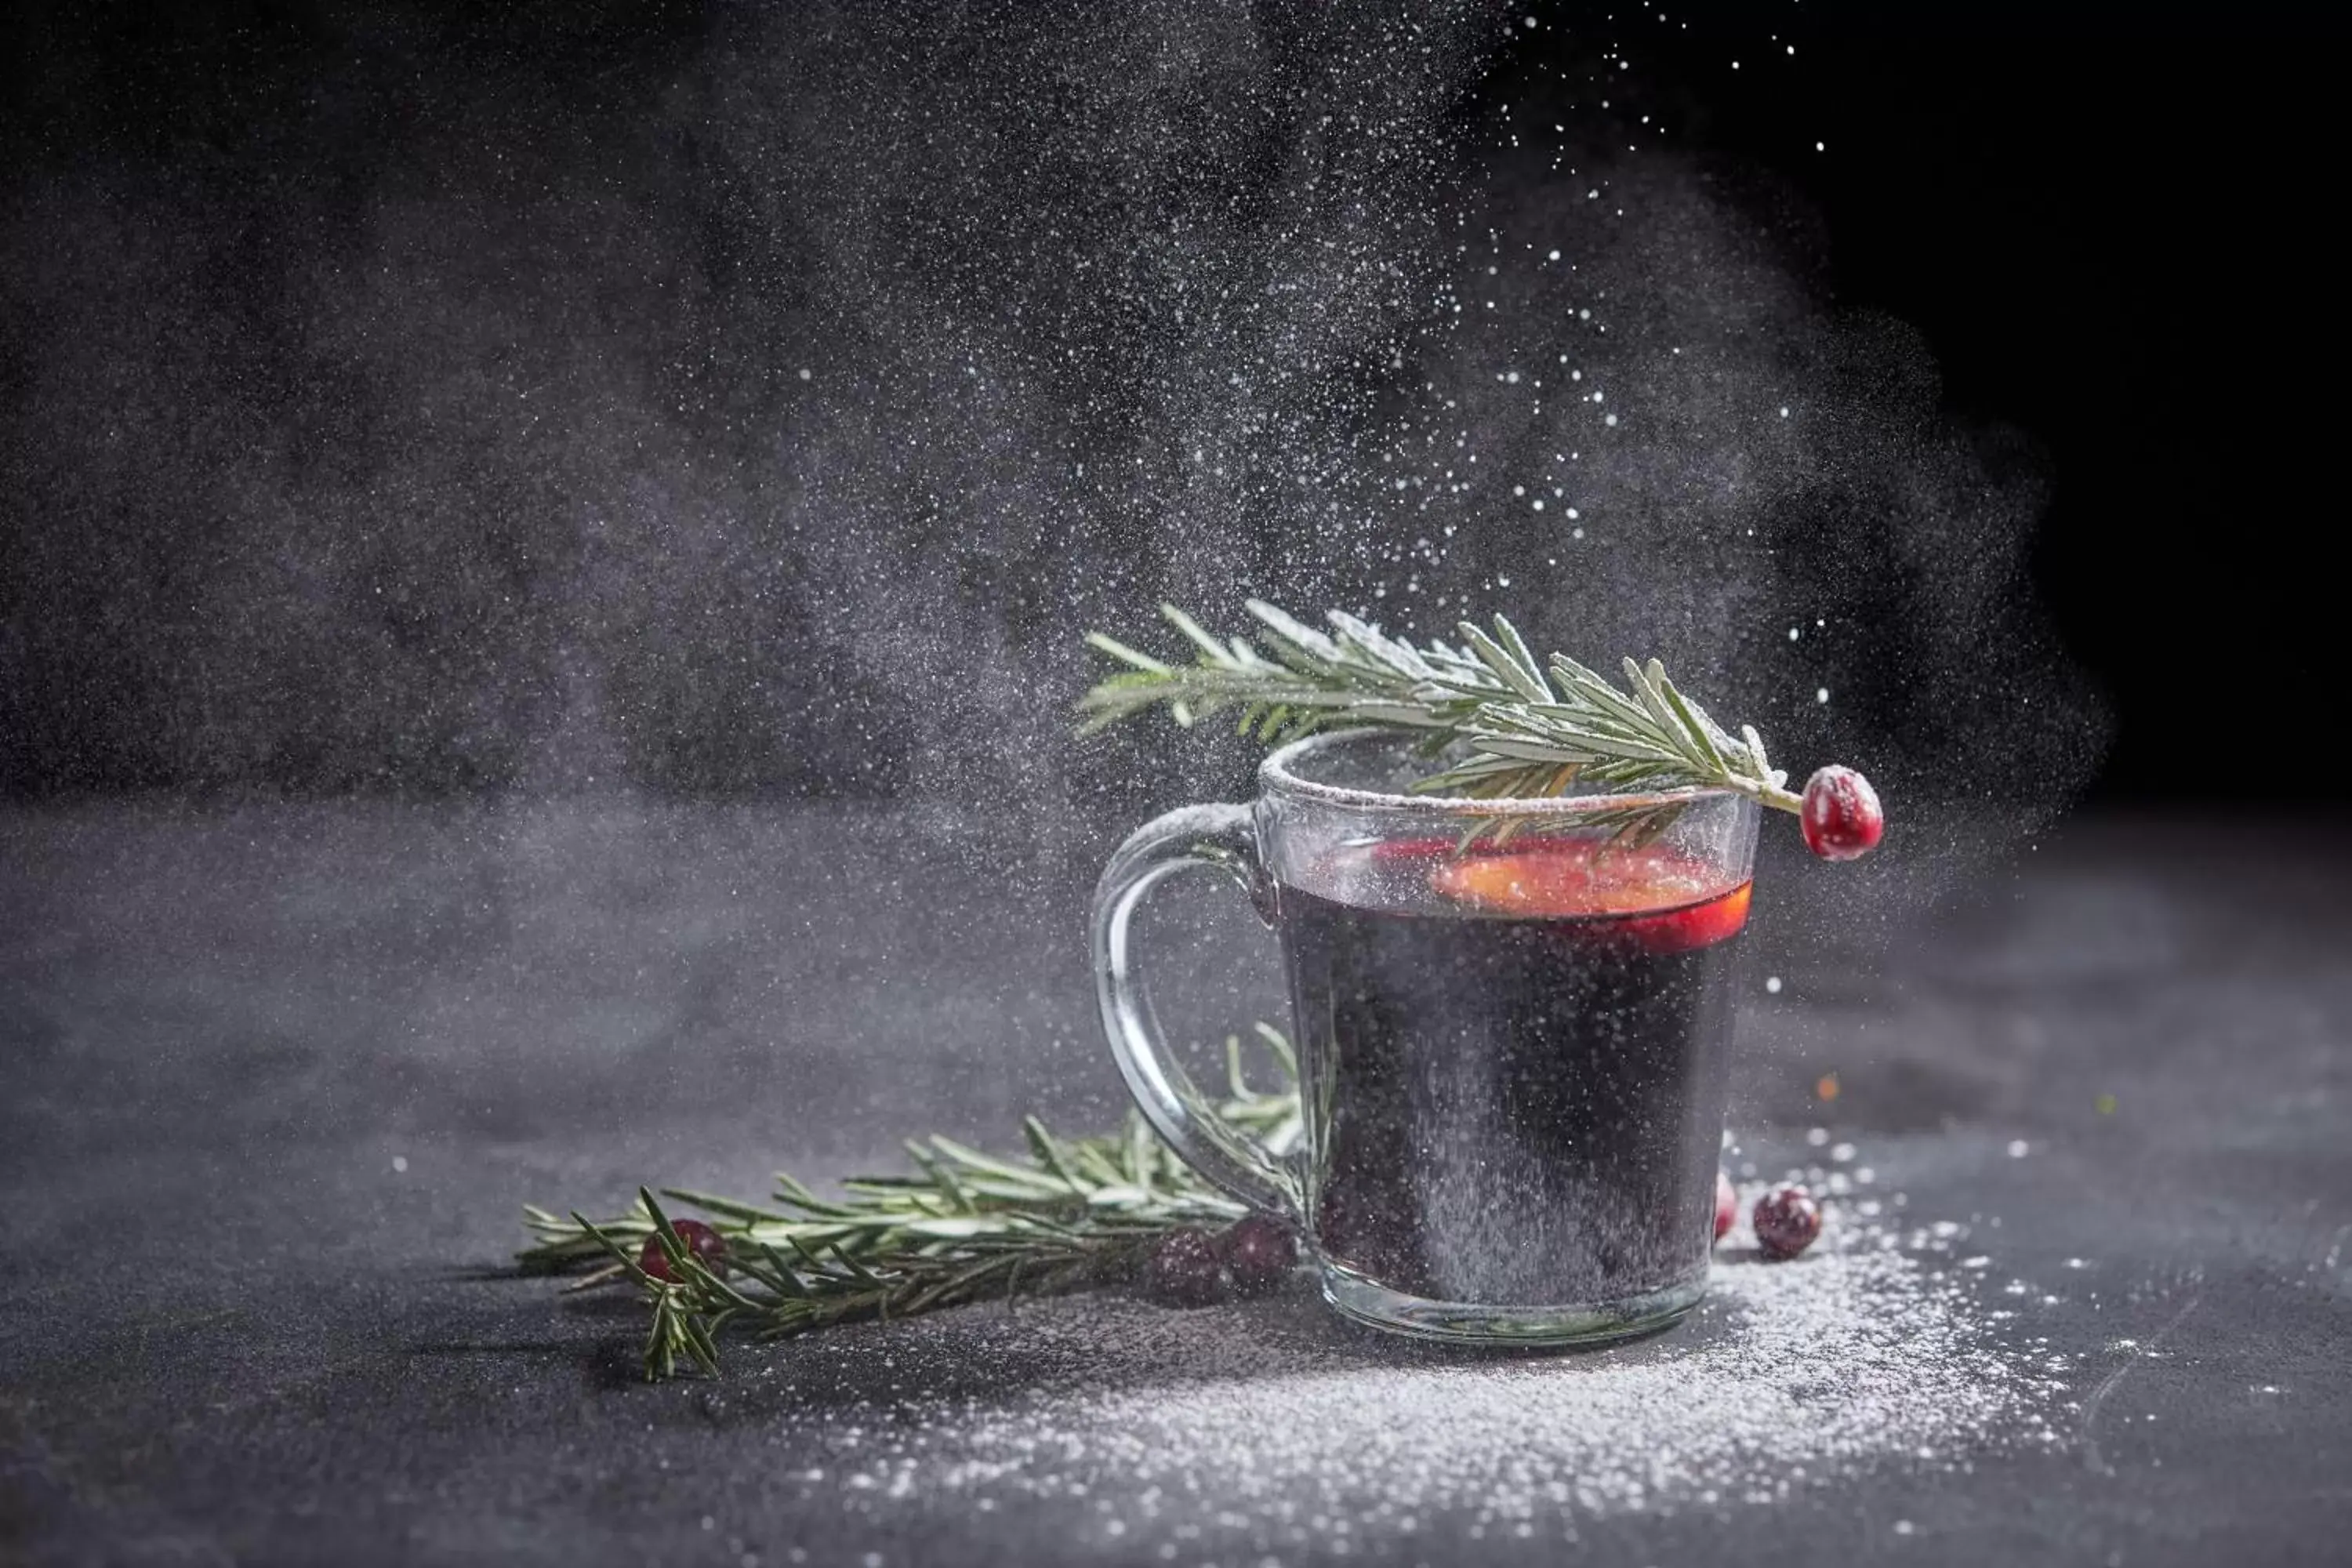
[1841, 814]
[1258, 1253]
[709, 1249]
[1194, 1269]
[1183, 1269]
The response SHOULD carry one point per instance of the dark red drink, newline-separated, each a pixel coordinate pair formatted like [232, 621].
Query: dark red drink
[1514, 1061]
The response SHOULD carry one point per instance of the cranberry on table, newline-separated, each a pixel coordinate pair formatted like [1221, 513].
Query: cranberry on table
[709, 1249]
[1787, 1221]
[1259, 1252]
[1727, 1204]
[1185, 1270]
[1841, 816]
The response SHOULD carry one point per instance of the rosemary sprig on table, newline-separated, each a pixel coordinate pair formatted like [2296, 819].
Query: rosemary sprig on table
[961, 1227]
[1528, 727]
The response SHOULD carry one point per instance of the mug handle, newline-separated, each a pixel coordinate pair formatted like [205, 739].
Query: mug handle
[1192, 838]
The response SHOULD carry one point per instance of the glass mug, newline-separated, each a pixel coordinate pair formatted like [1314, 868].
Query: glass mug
[1512, 1046]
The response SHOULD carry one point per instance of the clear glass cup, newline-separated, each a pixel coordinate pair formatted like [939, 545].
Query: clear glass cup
[1512, 1043]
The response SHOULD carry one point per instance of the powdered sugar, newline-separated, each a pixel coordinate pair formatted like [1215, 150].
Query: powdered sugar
[1283, 1426]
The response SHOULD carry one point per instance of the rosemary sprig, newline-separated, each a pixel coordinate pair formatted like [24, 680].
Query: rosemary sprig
[960, 1227]
[1527, 728]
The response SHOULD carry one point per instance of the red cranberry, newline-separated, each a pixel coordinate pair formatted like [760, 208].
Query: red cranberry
[1259, 1252]
[1841, 815]
[1727, 1204]
[1185, 1271]
[707, 1246]
[1787, 1221]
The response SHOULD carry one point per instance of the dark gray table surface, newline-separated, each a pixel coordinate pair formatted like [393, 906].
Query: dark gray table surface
[277, 1079]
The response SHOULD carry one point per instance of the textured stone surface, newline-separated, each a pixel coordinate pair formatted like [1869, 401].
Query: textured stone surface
[277, 1079]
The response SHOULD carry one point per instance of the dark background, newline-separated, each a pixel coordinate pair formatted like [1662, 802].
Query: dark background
[2106, 222]
[2109, 223]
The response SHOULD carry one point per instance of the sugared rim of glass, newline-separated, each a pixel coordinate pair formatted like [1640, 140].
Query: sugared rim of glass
[1279, 774]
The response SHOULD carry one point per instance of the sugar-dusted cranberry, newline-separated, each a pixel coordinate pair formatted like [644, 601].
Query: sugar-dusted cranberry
[1787, 1221]
[1841, 814]
[1185, 1270]
[1727, 1204]
[1259, 1252]
[709, 1249]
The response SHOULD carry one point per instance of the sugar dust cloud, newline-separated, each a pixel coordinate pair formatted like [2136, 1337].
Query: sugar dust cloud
[763, 409]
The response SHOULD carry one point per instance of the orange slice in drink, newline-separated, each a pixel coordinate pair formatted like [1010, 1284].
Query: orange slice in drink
[1660, 899]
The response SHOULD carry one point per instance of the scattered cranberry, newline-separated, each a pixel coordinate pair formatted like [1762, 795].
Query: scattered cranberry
[1727, 1204]
[1185, 1271]
[1841, 815]
[707, 1246]
[1259, 1252]
[1787, 1221]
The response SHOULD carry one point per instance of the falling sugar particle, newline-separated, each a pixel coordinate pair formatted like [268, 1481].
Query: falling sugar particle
[1772, 983]
[2018, 1149]
[400, 1164]
[1821, 694]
